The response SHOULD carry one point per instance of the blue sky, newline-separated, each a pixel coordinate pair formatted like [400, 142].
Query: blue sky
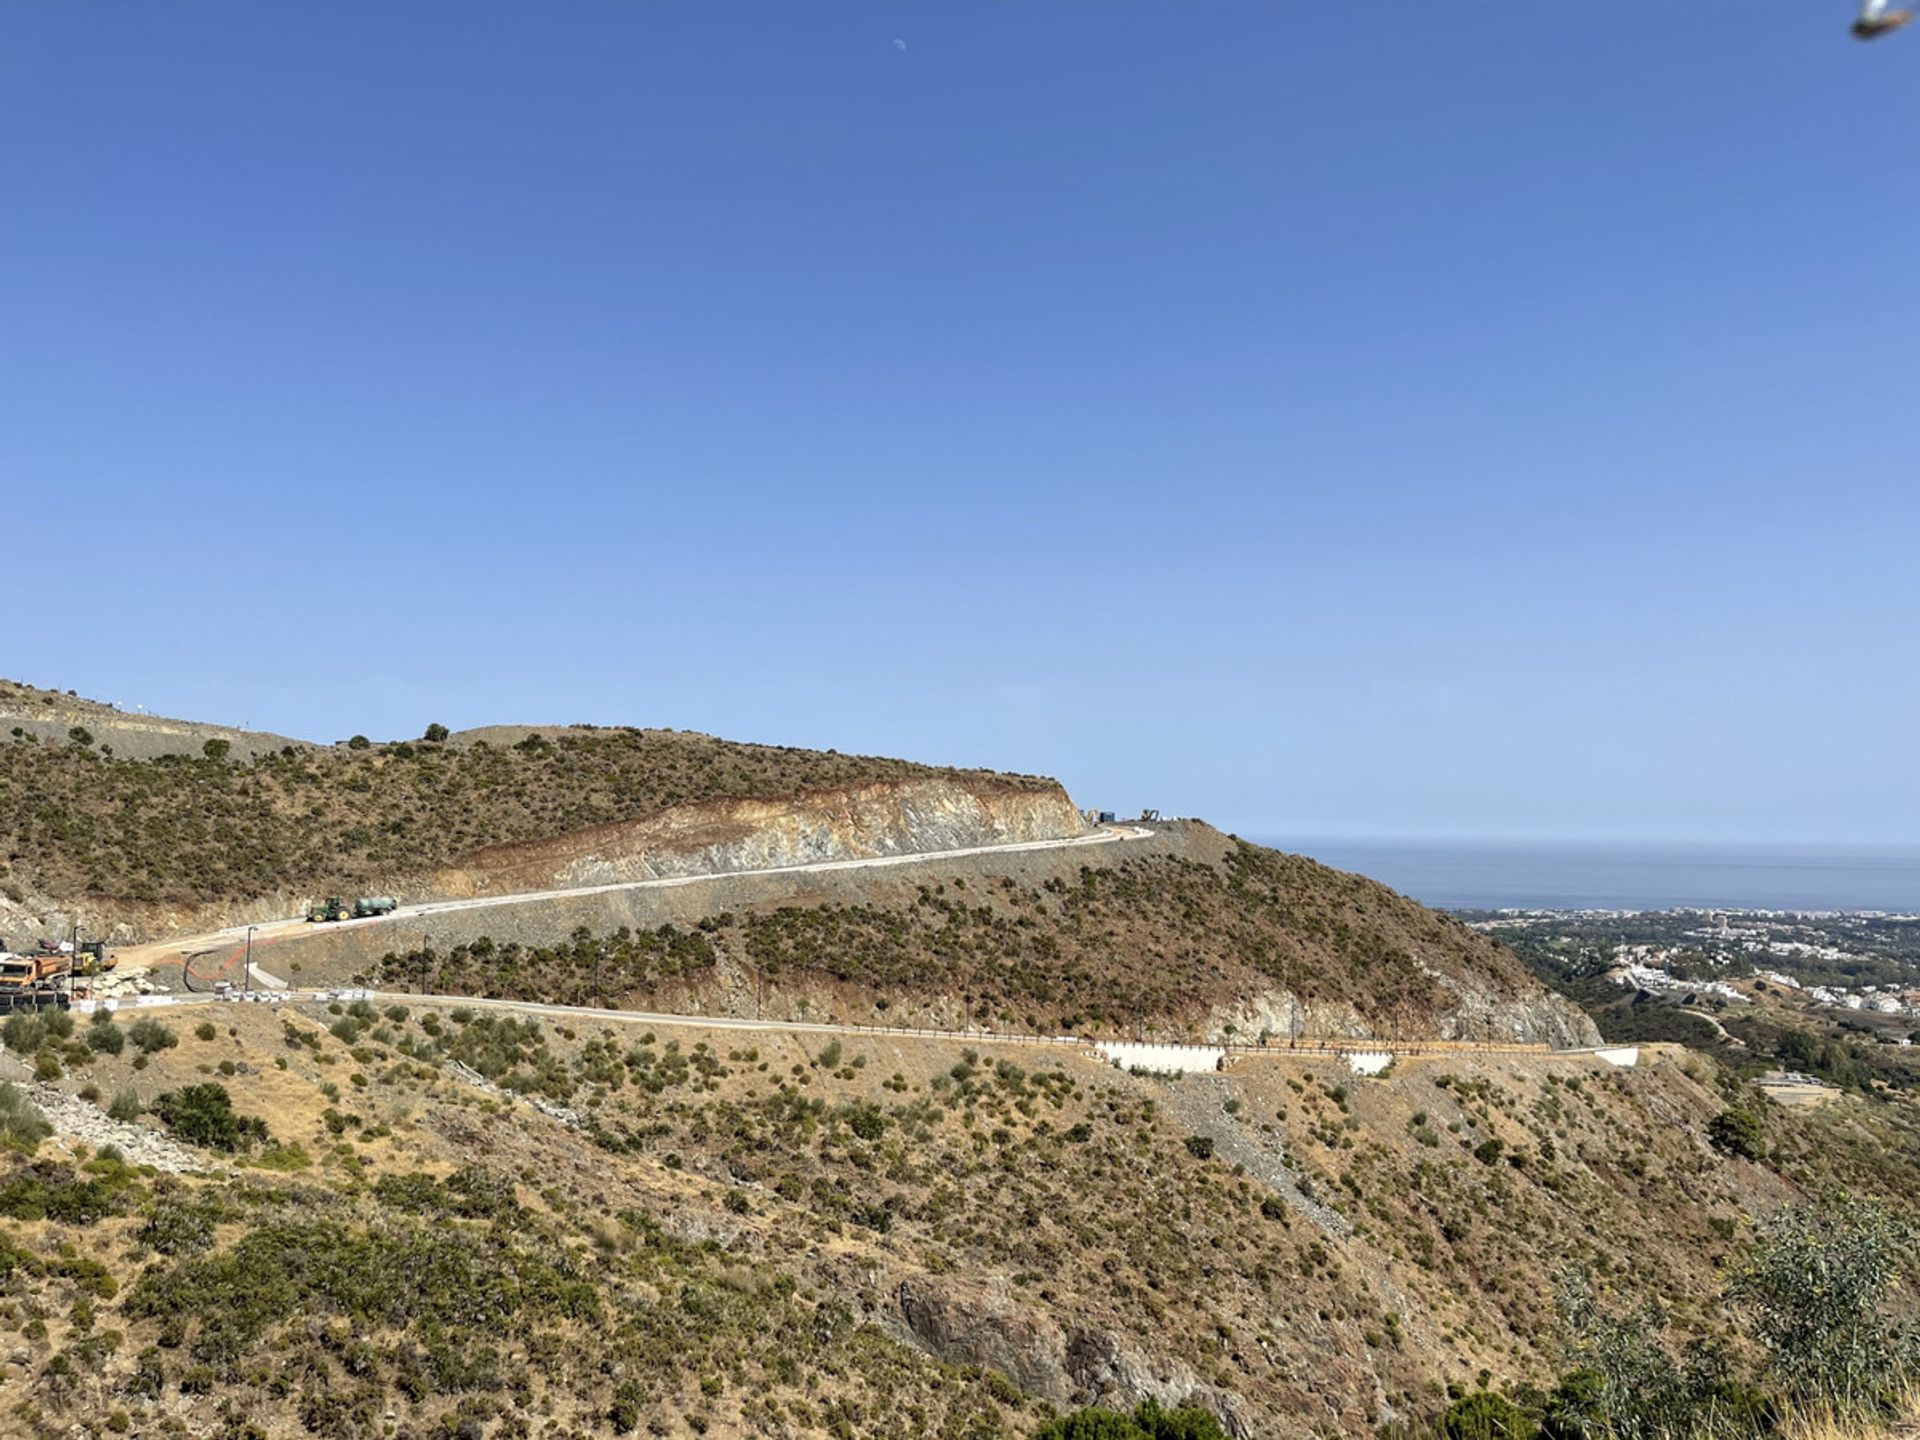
[1475, 418]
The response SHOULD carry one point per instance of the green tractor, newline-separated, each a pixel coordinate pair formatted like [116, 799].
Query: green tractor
[335, 908]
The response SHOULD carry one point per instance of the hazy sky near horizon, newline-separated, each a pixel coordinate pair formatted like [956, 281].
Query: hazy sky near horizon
[1474, 418]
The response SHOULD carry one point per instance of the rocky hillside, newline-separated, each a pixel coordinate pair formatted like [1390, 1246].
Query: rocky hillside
[205, 827]
[418, 1222]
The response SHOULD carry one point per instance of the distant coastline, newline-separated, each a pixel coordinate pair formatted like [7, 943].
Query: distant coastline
[1495, 875]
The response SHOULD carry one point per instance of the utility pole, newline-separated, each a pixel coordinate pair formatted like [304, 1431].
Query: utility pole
[246, 965]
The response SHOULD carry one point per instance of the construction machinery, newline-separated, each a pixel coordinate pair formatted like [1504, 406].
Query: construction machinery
[335, 908]
[30, 972]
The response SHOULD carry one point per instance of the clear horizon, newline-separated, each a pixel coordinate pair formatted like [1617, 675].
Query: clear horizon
[1454, 421]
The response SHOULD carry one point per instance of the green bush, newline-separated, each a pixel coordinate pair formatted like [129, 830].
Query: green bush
[103, 1036]
[22, 1126]
[1818, 1286]
[1483, 1415]
[1148, 1422]
[24, 1032]
[126, 1107]
[149, 1036]
[1738, 1132]
[204, 1115]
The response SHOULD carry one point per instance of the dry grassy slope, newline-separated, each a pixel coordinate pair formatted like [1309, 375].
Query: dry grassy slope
[182, 840]
[789, 1240]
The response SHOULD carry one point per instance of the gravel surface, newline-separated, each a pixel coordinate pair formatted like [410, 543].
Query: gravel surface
[1198, 1103]
[77, 1119]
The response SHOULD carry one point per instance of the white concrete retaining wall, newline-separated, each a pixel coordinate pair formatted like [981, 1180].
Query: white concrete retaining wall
[1369, 1062]
[1163, 1059]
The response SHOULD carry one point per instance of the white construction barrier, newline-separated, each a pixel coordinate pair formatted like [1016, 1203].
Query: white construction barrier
[1162, 1059]
[1369, 1062]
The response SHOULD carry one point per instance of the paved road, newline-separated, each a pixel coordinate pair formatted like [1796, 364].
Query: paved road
[267, 933]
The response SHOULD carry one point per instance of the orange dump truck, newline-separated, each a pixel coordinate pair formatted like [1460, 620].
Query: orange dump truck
[29, 972]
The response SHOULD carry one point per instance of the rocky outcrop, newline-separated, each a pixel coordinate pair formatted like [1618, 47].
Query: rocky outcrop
[1542, 1018]
[720, 837]
[1538, 1018]
[971, 1323]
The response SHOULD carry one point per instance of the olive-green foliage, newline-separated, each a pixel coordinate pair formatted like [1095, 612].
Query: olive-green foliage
[51, 1191]
[1818, 1286]
[149, 1035]
[1148, 1422]
[584, 971]
[1625, 1384]
[24, 1032]
[451, 1287]
[1484, 1415]
[1739, 1132]
[204, 1115]
[455, 1294]
[22, 1126]
[103, 1036]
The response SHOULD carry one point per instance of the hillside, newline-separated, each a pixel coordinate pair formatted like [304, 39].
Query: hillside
[433, 1217]
[1183, 932]
[160, 842]
[705, 1233]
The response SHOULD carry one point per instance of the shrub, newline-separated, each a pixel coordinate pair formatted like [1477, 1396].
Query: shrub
[1738, 1132]
[149, 1035]
[22, 1126]
[1148, 1422]
[126, 1107]
[217, 749]
[103, 1036]
[204, 1115]
[436, 734]
[1817, 1285]
[24, 1033]
[1483, 1415]
[205, 1031]
[1200, 1147]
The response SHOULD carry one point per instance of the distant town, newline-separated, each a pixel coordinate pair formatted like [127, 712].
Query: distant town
[1863, 966]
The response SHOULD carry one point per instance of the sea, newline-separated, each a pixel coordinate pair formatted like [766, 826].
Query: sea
[1483, 875]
